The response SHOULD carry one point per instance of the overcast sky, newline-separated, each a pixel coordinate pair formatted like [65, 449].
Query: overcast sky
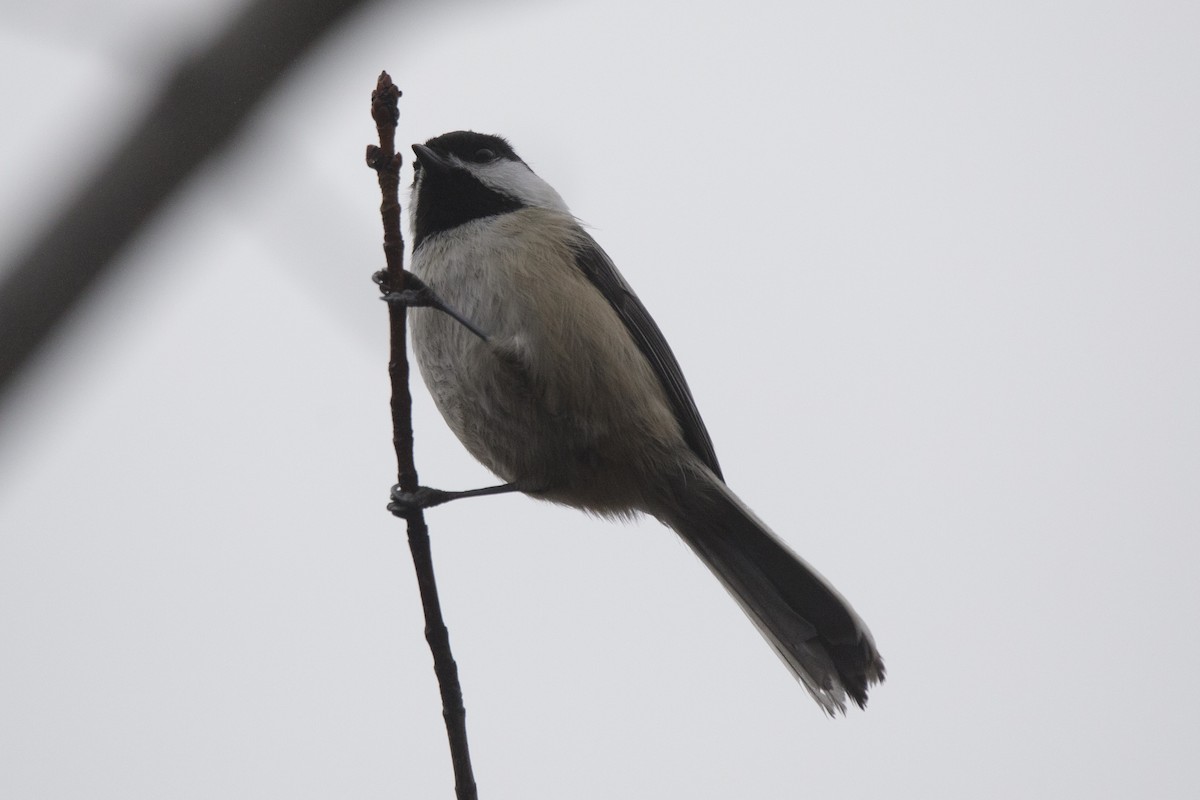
[932, 270]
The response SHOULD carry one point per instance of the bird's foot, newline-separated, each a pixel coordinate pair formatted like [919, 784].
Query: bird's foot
[404, 504]
[416, 294]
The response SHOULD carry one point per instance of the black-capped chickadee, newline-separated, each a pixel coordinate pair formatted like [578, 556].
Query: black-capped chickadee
[568, 391]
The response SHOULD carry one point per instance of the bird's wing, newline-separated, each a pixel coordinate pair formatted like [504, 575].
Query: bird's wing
[603, 274]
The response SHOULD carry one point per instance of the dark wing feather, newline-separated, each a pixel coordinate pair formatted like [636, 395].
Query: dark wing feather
[603, 274]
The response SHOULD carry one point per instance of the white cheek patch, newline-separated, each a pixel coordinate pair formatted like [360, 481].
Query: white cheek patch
[517, 180]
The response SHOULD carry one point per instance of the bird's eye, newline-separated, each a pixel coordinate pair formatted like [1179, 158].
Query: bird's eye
[483, 155]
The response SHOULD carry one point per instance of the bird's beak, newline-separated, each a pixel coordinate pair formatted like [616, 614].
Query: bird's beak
[429, 159]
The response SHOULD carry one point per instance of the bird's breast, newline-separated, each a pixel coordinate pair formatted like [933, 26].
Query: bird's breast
[559, 399]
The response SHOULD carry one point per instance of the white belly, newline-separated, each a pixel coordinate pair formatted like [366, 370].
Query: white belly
[559, 401]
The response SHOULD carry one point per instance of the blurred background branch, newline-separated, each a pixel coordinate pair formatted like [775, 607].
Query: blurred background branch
[200, 107]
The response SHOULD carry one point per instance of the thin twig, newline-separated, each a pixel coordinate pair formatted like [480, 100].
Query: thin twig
[386, 163]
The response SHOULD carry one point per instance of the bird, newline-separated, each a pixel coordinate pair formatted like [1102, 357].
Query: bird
[551, 372]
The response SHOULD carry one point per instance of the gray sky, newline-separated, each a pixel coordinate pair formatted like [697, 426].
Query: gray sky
[933, 272]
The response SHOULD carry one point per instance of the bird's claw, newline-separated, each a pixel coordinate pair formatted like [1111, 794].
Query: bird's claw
[404, 503]
[414, 298]
[417, 295]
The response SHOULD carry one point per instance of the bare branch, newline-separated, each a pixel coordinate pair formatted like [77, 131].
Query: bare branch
[198, 110]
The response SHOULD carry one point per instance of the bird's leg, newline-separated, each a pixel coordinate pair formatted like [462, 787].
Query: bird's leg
[417, 295]
[404, 503]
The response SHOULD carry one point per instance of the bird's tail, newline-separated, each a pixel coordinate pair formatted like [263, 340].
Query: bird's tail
[810, 625]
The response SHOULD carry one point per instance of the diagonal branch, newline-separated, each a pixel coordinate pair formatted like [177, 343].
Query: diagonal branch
[386, 163]
[200, 107]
